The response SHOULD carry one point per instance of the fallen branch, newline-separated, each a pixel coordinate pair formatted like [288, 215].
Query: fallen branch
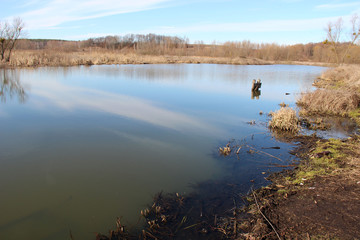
[268, 154]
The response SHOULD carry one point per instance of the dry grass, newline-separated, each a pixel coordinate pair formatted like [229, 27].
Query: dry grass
[36, 58]
[284, 119]
[339, 92]
[329, 101]
[347, 76]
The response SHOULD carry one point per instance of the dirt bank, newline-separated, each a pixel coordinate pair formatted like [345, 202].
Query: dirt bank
[321, 206]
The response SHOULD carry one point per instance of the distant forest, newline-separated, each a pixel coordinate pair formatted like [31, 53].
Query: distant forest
[152, 44]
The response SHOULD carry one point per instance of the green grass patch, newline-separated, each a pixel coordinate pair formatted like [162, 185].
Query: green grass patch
[324, 160]
[283, 191]
[355, 115]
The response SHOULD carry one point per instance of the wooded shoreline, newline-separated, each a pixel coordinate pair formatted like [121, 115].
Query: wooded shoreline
[42, 58]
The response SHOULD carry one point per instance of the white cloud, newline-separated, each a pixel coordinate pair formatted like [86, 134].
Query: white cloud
[250, 27]
[266, 26]
[338, 5]
[57, 12]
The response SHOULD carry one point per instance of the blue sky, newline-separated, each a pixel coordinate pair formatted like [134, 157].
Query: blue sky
[260, 21]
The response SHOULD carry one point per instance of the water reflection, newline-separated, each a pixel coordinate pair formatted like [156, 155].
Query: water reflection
[97, 142]
[255, 94]
[11, 86]
[72, 98]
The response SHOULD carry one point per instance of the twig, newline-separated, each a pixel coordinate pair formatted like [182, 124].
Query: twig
[265, 216]
[191, 226]
[265, 153]
[183, 220]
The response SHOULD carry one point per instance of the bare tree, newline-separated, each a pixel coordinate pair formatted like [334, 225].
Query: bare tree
[354, 34]
[334, 31]
[9, 34]
[335, 34]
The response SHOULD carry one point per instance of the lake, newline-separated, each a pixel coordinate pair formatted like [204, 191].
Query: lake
[80, 146]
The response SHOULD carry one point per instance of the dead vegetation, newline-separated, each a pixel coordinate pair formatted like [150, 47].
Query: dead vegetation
[329, 101]
[195, 216]
[285, 119]
[31, 58]
[345, 76]
[338, 93]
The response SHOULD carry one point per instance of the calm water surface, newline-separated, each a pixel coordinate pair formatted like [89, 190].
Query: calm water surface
[80, 146]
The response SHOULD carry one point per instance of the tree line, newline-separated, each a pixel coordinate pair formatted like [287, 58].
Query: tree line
[337, 48]
[141, 44]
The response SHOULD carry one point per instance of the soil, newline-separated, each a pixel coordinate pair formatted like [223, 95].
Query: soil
[326, 207]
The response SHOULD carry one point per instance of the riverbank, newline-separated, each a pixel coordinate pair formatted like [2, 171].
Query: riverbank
[40, 58]
[319, 199]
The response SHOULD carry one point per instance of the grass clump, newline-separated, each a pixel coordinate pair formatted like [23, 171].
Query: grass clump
[284, 119]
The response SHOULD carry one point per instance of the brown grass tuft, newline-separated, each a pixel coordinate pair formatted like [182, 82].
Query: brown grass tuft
[284, 119]
[329, 101]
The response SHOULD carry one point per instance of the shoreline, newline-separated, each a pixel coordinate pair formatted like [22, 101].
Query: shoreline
[295, 203]
[318, 198]
[47, 58]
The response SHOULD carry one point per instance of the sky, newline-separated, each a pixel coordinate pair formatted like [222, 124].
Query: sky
[211, 21]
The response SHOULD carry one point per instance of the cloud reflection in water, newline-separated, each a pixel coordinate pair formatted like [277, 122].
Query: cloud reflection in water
[76, 98]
